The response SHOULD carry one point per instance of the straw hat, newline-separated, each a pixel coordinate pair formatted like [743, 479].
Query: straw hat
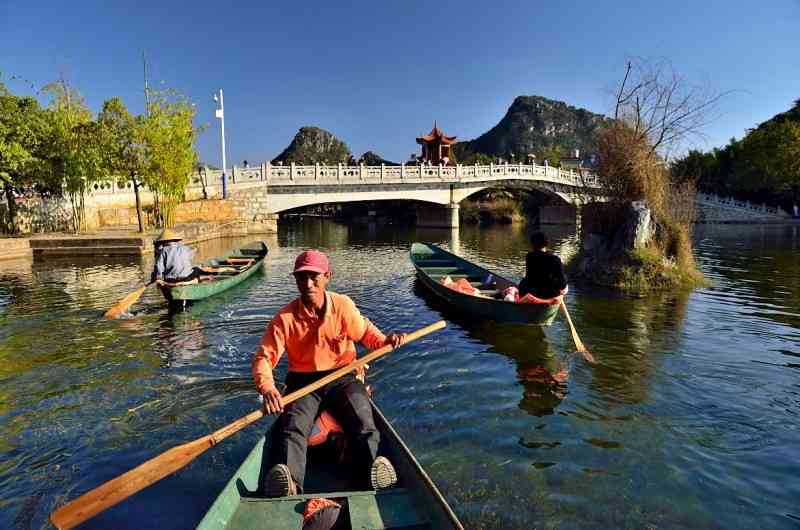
[169, 235]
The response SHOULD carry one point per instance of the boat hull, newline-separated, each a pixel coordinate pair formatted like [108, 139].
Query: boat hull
[414, 503]
[432, 263]
[202, 290]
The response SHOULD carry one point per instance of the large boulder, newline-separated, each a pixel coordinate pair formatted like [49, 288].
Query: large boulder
[637, 228]
[610, 232]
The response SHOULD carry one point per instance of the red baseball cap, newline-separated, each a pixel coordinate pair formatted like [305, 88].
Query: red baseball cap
[312, 260]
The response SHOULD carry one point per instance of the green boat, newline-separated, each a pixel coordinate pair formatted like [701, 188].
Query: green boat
[415, 503]
[238, 265]
[433, 263]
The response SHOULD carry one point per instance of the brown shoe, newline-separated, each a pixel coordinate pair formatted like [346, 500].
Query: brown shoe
[382, 475]
[279, 482]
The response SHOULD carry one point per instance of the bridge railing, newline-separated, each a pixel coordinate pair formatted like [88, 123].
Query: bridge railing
[307, 175]
[729, 202]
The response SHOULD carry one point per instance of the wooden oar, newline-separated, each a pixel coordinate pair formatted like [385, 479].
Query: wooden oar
[126, 302]
[578, 343]
[168, 462]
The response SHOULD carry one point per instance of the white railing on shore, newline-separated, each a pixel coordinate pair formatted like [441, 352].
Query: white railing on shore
[729, 202]
[296, 175]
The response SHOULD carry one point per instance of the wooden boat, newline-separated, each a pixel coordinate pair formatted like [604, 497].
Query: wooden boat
[414, 503]
[433, 264]
[237, 266]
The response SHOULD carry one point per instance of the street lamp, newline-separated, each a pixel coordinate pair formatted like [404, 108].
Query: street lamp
[220, 113]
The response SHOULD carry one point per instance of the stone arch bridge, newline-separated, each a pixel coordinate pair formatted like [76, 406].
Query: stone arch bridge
[282, 188]
[262, 192]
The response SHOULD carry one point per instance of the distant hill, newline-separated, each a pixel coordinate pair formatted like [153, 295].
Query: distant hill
[311, 145]
[372, 159]
[534, 124]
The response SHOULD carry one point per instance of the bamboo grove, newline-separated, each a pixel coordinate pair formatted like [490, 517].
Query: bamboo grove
[60, 149]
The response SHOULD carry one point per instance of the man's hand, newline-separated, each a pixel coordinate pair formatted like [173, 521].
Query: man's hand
[361, 373]
[395, 340]
[273, 402]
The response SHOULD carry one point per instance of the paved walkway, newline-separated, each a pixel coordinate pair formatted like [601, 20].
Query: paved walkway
[122, 241]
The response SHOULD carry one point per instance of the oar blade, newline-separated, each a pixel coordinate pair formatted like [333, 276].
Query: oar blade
[125, 303]
[583, 350]
[118, 489]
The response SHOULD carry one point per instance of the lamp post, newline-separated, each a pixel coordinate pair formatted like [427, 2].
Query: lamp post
[220, 113]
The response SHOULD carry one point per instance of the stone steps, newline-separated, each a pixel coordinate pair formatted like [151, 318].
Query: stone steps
[65, 251]
[104, 242]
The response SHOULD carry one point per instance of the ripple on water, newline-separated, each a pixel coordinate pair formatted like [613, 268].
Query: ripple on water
[688, 419]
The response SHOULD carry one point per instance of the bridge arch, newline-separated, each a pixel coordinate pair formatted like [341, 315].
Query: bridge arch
[557, 197]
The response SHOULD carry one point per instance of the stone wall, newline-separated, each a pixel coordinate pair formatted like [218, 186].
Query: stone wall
[36, 215]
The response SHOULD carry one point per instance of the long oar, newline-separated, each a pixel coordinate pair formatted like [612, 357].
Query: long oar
[168, 462]
[126, 302]
[578, 343]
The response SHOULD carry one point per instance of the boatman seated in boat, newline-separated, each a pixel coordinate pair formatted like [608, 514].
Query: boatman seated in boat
[173, 259]
[544, 272]
[318, 332]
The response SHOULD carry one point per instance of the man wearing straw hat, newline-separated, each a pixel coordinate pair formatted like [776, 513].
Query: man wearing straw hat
[173, 259]
[318, 331]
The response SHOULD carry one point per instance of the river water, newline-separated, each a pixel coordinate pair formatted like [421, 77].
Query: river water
[689, 419]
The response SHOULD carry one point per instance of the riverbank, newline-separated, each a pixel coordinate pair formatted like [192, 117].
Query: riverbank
[122, 242]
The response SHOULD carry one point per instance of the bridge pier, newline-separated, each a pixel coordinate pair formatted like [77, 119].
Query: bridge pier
[438, 216]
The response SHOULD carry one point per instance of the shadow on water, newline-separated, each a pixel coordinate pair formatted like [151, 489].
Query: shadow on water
[541, 372]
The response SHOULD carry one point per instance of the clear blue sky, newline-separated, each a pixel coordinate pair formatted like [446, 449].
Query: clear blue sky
[378, 73]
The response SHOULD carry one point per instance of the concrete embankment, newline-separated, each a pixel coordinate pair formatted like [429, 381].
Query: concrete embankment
[12, 248]
[121, 243]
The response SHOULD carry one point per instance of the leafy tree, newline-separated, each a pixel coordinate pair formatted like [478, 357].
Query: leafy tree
[773, 155]
[168, 137]
[73, 146]
[124, 148]
[481, 159]
[21, 134]
[552, 154]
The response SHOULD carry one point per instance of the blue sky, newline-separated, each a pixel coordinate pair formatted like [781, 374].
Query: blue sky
[378, 73]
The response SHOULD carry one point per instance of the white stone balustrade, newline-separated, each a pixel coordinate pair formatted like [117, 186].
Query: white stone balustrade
[729, 202]
[296, 175]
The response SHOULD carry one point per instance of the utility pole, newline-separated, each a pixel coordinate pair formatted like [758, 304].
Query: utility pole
[134, 177]
[220, 113]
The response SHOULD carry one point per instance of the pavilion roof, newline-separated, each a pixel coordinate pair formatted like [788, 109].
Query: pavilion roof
[435, 135]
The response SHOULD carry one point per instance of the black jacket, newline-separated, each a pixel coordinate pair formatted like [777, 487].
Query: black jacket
[544, 275]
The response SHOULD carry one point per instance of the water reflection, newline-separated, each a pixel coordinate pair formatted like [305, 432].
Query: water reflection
[541, 371]
[181, 339]
[636, 331]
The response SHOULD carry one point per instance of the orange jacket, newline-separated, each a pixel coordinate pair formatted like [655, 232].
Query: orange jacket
[313, 344]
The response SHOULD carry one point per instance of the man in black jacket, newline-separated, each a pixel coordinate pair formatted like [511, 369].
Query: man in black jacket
[544, 272]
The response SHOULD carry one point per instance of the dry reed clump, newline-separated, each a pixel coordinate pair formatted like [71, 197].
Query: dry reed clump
[497, 210]
[632, 170]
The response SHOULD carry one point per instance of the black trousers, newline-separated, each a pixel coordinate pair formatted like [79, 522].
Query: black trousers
[347, 400]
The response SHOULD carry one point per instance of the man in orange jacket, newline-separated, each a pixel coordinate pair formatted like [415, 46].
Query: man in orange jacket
[317, 331]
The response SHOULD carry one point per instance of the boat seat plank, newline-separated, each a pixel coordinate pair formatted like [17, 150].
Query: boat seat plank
[387, 509]
[435, 262]
[287, 513]
[448, 272]
[470, 278]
